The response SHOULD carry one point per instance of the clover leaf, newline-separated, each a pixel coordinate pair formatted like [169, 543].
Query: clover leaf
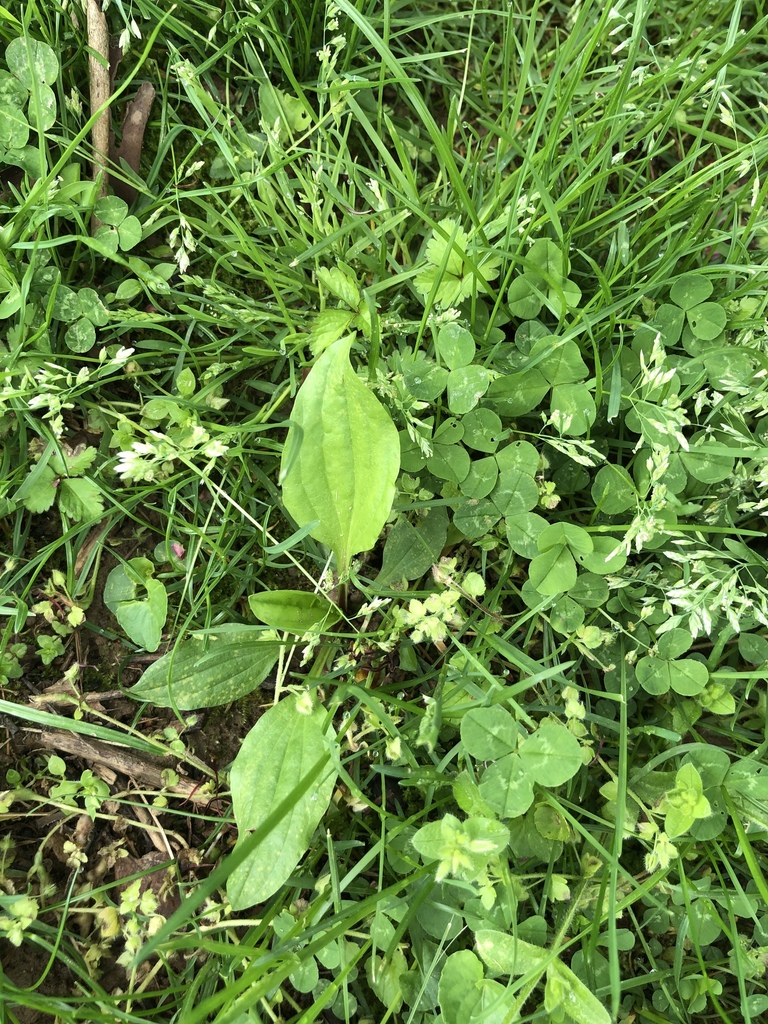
[544, 282]
[689, 315]
[467, 382]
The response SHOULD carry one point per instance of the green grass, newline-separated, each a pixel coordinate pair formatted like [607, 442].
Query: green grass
[418, 146]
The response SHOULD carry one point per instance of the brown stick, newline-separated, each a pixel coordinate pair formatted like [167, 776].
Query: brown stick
[134, 125]
[147, 770]
[98, 70]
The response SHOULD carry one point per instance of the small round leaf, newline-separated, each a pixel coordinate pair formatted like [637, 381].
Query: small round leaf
[707, 320]
[690, 289]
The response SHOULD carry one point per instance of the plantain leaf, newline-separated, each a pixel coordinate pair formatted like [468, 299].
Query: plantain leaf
[276, 754]
[295, 611]
[206, 671]
[341, 457]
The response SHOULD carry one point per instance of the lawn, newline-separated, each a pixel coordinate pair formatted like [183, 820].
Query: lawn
[383, 558]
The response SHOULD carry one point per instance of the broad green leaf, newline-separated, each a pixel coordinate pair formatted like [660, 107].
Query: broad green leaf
[707, 320]
[674, 643]
[658, 675]
[517, 393]
[328, 326]
[66, 305]
[590, 590]
[524, 302]
[481, 479]
[668, 322]
[753, 648]
[523, 531]
[476, 517]
[410, 551]
[39, 490]
[491, 1006]
[553, 571]
[551, 824]
[279, 750]
[613, 490]
[567, 992]
[572, 409]
[384, 978]
[127, 290]
[567, 296]
[306, 975]
[519, 455]
[449, 462]
[425, 379]
[506, 954]
[456, 345]
[566, 615]
[466, 386]
[138, 602]
[707, 467]
[32, 62]
[446, 248]
[105, 241]
[340, 284]
[185, 383]
[42, 108]
[507, 787]
[296, 611]
[276, 105]
[488, 733]
[12, 91]
[678, 820]
[559, 361]
[129, 233]
[462, 848]
[92, 306]
[450, 431]
[690, 289]
[516, 491]
[462, 973]
[111, 210]
[606, 558]
[548, 261]
[447, 288]
[341, 457]
[14, 129]
[412, 459]
[578, 540]
[552, 755]
[80, 336]
[206, 671]
[80, 499]
[482, 430]
[30, 158]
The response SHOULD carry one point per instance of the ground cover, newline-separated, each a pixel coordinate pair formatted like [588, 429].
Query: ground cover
[383, 584]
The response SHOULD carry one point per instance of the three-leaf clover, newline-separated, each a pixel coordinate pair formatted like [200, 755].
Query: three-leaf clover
[544, 282]
[688, 315]
[466, 382]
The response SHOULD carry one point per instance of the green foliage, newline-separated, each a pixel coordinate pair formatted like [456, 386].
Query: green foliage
[58, 477]
[341, 458]
[544, 282]
[138, 601]
[456, 269]
[210, 669]
[283, 745]
[507, 264]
